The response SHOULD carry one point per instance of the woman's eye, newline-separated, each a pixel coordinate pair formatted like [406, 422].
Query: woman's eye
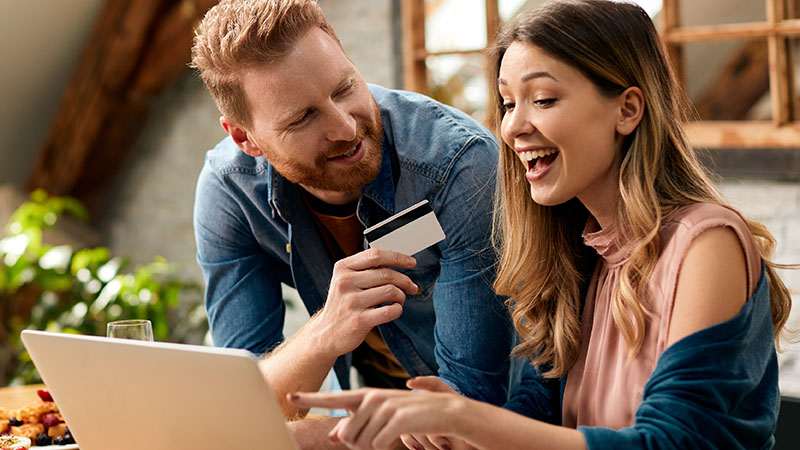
[506, 107]
[544, 102]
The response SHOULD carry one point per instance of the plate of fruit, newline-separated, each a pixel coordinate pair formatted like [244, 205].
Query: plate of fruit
[39, 422]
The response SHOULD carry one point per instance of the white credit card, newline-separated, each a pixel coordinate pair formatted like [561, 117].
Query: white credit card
[409, 231]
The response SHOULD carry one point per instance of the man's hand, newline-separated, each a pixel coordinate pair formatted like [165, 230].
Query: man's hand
[364, 292]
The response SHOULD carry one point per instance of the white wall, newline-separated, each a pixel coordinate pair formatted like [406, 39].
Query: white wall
[40, 41]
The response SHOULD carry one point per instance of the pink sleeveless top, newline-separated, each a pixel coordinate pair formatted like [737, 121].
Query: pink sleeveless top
[603, 388]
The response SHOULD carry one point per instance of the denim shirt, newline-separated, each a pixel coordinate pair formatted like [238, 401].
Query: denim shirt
[254, 231]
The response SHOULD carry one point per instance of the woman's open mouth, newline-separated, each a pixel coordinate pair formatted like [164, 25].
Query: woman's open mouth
[537, 162]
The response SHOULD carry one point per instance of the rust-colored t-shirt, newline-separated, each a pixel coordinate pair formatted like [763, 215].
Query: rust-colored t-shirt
[343, 236]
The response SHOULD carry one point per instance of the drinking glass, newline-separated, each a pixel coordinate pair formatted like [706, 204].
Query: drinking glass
[130, 329]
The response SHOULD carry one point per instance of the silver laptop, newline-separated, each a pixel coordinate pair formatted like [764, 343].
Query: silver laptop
[130, 395]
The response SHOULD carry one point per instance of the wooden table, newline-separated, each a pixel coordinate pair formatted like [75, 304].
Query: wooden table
[19, 396]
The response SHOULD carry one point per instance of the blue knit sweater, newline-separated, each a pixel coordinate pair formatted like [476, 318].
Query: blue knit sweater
[714, 389]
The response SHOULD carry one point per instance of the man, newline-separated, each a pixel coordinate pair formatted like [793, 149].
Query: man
[315, 156]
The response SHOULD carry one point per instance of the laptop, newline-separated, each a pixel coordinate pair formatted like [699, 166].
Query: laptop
[130, 395]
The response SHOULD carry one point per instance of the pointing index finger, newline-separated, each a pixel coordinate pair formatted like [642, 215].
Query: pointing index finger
[329, 400]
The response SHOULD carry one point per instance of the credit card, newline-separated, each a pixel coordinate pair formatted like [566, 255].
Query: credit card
[409, 231]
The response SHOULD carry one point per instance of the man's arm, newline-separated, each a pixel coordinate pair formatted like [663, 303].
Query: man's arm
[243, 297]
[364, 292]
[473, 329]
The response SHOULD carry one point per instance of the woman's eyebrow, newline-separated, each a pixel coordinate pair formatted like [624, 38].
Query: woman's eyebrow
[530, 76]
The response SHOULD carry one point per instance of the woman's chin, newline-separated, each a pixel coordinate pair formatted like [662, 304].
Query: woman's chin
[546, 198]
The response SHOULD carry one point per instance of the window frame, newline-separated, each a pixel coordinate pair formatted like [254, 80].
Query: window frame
[780, 132]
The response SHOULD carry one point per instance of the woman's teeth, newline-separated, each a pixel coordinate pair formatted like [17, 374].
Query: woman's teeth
[531, 155]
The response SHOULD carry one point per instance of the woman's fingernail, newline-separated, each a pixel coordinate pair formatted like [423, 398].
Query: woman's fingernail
[418, 447]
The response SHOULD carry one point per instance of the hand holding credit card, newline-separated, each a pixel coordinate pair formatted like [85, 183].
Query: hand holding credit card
[409, 231]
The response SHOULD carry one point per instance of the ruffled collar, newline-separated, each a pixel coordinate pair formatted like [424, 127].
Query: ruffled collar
[608, 243]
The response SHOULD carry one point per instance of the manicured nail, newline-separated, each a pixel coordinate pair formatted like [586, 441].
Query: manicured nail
[418, 447]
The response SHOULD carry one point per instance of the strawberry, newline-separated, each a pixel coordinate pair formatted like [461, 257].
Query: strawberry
[44, 395]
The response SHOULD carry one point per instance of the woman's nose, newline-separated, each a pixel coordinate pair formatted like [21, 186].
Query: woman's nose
[516, 124]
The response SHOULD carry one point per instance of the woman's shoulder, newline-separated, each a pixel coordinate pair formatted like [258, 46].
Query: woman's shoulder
[687, 222]
[695, 215]
[682, 228]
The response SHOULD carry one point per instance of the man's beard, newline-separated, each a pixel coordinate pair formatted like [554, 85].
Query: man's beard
[330, 176]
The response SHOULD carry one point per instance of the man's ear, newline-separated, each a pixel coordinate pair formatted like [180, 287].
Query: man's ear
[241, 137]
[631, 110]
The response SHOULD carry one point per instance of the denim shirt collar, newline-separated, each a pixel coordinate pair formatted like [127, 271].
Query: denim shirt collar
[380, 191]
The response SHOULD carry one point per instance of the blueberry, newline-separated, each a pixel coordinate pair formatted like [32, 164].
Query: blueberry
[58, 440]
[68, 439]
[14, 422]
[42, 439]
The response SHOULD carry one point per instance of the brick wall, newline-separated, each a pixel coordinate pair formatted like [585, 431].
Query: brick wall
[777, 205]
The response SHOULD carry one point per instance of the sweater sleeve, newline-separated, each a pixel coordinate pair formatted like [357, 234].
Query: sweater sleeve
[714, 389]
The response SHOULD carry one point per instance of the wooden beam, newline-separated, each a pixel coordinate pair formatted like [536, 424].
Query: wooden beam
[670, 20]
[778, 65]
[414, 69]
[103, 68]
[749, 134]
[135, 50]
[492, 21]
[733, 31]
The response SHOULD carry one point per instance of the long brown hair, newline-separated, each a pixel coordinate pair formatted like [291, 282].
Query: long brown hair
[542, 268]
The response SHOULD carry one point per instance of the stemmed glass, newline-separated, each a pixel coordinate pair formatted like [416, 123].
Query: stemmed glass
[130, 329]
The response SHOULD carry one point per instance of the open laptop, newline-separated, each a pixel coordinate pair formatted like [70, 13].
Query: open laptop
[130, 395]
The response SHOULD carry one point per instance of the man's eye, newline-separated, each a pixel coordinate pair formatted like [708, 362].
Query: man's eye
[302, 119]
[344, 90]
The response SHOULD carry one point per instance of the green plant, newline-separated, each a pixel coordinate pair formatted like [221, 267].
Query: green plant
[59, 288]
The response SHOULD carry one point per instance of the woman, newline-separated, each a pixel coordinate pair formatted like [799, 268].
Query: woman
[662, 334]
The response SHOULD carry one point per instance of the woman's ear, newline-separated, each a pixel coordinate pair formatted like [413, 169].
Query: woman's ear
[241, 137]
[631, 110]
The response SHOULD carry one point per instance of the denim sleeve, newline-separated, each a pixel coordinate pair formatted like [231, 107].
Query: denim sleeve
[536, 397]
[243, 297]
[473, 331]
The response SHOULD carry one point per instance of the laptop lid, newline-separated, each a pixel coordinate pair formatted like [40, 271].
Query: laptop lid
[130, 395]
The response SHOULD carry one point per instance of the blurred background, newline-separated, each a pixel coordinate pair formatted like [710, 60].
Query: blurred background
[99, 105]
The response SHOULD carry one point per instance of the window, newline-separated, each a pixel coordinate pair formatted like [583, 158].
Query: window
[739, 61]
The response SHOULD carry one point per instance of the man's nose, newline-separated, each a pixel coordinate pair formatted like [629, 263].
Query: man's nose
[342, 125]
